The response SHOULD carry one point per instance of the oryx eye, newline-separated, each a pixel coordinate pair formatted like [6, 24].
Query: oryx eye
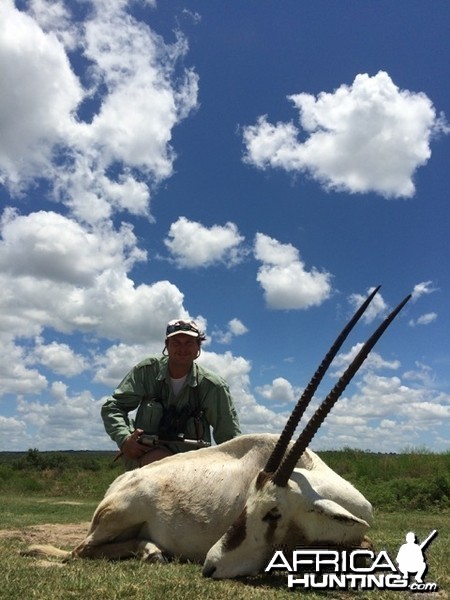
[272, 515]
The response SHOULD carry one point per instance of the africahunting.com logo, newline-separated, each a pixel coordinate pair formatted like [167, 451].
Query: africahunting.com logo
[358, 569]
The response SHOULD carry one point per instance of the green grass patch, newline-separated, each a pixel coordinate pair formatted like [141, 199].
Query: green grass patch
[25, 510]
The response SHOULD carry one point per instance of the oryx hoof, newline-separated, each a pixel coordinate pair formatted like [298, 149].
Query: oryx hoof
[156, 558]
[152, 554]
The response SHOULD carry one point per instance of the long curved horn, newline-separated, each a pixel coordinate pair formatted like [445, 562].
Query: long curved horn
[284, 471]
[291, 425]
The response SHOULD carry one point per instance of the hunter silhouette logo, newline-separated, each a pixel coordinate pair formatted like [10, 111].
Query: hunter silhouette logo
[410, 557]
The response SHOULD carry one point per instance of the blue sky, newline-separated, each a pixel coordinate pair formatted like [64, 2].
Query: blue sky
[257, 166]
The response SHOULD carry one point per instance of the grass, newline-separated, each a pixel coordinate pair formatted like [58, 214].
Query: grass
[66, 489]
[24, 577]
[22, 511]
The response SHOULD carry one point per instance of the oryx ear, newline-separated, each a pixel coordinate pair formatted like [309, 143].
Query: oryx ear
[334, 511]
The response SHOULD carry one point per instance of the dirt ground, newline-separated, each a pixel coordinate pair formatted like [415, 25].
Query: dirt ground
[63, 536]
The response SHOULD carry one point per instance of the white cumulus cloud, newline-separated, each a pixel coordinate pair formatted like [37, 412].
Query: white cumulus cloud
[369, 136]
[376, 308]
[60, 358]
[47, 245]
[286, 282]
[374, 361]
[235, 328]
[105, 143]
[15, 376]
[279, 391]
[385, 413]
[422, 289]
[192, 245]
[57, 273]
[425, 319]
[35, 74]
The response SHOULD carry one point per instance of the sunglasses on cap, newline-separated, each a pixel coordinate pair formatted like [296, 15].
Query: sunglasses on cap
[187, 327]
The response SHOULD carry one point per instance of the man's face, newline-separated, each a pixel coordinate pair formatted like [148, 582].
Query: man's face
[182, 349]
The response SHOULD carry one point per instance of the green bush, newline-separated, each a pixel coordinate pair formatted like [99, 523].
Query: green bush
[409, 493]
[414, 480]
[41, 461]
[30, 484]
[6, 473]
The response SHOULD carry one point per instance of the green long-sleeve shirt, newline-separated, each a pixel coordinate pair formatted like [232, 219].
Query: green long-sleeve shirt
[147, 387]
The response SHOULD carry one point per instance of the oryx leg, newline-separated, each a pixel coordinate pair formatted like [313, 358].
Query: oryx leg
[114, 534]
[135, 548]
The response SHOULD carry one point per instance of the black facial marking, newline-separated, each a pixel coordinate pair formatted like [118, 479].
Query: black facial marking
[271, 518]
[272, 515]
[236, 533]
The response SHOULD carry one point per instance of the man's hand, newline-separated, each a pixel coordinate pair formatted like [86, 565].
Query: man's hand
[131, 448]
[145, 455]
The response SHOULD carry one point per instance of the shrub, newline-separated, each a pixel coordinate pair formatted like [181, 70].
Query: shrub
[6, 473]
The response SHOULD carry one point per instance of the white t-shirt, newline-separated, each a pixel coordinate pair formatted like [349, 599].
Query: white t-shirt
[177, 384]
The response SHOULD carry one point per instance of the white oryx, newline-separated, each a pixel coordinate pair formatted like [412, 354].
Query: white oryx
[230, 506]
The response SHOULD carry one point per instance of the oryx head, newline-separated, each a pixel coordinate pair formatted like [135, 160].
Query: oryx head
[296, 500]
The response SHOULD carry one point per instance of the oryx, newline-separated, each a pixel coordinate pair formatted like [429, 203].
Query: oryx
[231, 505]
